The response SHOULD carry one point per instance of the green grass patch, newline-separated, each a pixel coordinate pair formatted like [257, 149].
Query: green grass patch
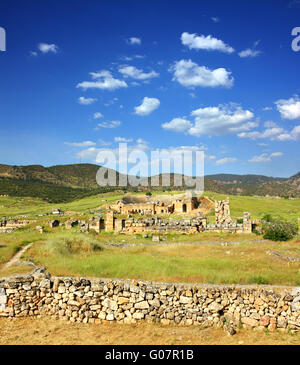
[237, 264]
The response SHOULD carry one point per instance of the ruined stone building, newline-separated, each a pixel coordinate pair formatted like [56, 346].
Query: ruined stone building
[192, 205]
[154, 224]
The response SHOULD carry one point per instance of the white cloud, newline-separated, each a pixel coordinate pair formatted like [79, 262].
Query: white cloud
[270, 124]
[110, 124]
[97, 115]
[265, 157]
[104, 143]
[86, 101]
[46, 48]
[249, 53]
[148, 106]
[262, 144]
[33, 53]
[209, 43]
[276, 154]
[104, 81]
[215, 19]
[274, 133]
[177, 125]
[271, 133]
[135, 73]
[221, 120]
[293, 135]
[121, 139]
[134, 40]
[225, 160]
[81, 144]
[266, 108]
[289, 108]
[218, 121]
[141, 144]
[190, 74]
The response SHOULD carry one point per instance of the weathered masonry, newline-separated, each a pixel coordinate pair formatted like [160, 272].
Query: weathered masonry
[194, 225]
[128, 301]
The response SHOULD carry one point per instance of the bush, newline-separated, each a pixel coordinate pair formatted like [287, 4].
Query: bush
[279, 230]
[148, 193]
[68, 244]
[267, 218]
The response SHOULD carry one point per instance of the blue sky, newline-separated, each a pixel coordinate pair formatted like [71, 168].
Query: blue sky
[218, 76]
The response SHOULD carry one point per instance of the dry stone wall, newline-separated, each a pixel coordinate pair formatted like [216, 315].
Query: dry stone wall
[128, 301]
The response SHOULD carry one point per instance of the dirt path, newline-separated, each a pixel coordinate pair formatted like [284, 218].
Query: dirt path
[15, 259]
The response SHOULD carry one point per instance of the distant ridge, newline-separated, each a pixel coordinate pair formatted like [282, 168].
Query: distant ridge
[66, 182]
[244, 179]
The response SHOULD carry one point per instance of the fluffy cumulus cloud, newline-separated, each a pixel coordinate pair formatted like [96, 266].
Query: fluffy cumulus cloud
[265, 157]
[46, 48]
[81, 144]
[134, 40]
[219, 120]
[289, 108]
[110, 124]
[209, 43]
[226, 160]
[135, 73]
[102, 80]
[190, 74]
[148, 106]
[177, 125]
[86, 101]
[274, 133]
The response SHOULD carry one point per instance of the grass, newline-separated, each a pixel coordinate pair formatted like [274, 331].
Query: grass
[285, 208]
[11, 243]
[258, 206]
[46, 331]
[246, 263]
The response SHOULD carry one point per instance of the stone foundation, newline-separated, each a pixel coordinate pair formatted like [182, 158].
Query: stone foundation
[93, 300]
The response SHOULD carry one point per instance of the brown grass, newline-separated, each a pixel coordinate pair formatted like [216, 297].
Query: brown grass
[47, 331]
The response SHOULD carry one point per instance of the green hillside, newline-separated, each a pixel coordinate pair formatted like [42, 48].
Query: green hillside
[62, 183]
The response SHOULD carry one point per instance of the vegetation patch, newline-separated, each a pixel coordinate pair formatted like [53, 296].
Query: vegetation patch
[65, 245]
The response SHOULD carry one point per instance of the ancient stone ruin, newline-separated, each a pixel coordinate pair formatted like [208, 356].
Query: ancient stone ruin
[222, 212]
[157, 224]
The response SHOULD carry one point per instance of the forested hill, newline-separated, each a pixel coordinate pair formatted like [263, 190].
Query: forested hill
[67, 182]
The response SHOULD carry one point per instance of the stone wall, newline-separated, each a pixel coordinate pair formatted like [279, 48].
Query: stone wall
[96, 300]
[162, 226]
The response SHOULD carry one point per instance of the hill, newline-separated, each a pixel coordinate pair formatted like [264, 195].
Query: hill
[63, 183]
[243, 179]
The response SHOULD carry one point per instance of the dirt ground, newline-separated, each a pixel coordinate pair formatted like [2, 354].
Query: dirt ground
[47, 331]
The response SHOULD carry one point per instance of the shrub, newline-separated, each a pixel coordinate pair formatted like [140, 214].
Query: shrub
[149, 193]
[258, 280]
[279, 230]
[68, 244]
[267, 218]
